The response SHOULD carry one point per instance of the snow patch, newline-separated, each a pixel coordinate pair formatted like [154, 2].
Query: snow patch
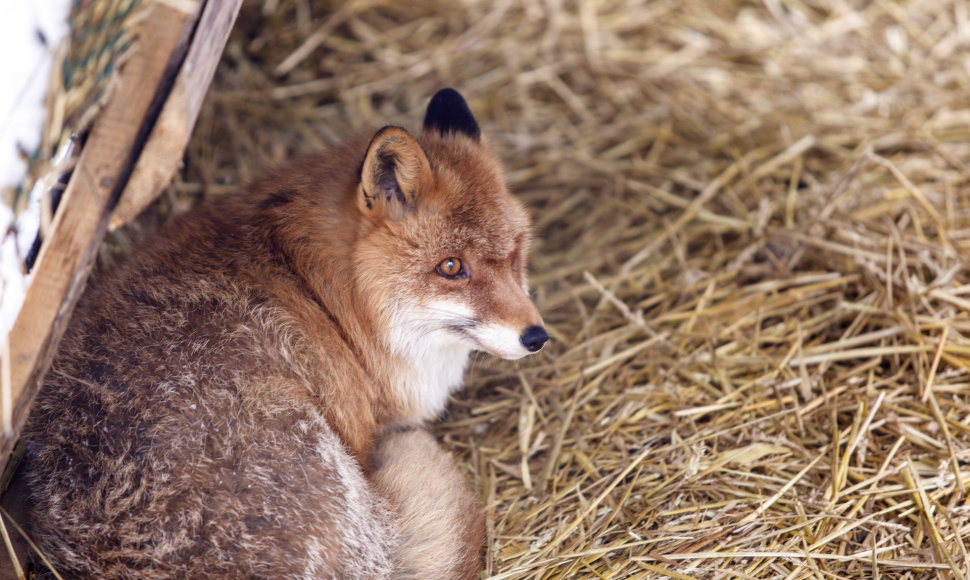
[26, 73]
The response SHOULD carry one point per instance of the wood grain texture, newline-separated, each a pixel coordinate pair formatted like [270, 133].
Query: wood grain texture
[166, 144]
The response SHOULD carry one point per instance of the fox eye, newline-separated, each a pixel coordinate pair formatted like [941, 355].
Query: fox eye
[451, 268]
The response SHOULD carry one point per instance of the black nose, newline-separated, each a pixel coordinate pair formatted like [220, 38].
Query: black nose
[533, 338]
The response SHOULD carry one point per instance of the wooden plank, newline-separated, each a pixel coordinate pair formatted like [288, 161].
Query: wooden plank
[82, 218]
[169, 138]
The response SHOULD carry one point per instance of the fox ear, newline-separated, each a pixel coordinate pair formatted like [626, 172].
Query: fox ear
[449, 113]
[394, 172]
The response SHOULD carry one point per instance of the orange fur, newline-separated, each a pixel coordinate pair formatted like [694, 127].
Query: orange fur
[227, 402]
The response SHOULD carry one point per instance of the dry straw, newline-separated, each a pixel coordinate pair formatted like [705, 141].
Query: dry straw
[753, 223]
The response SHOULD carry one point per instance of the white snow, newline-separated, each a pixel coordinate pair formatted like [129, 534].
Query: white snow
[26, 71]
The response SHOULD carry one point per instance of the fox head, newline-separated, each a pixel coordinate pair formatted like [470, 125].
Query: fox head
[443, 250]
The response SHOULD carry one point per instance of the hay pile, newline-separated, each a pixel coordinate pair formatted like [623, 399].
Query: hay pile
[753, 224]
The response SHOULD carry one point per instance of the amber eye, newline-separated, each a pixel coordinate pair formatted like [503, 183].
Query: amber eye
[451, 268]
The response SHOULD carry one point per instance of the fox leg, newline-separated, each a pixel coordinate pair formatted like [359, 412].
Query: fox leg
[440, 524]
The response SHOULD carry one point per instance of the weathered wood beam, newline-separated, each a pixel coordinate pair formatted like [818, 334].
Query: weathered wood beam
[163, 152]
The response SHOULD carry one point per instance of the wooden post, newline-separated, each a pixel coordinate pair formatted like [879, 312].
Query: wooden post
[163, 152]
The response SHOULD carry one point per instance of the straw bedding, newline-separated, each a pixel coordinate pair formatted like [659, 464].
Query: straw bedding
[753, 224]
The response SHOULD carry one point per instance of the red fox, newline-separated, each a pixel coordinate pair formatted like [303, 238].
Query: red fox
[245, 395]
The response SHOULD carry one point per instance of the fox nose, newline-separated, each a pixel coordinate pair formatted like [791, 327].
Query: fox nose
[533, 338]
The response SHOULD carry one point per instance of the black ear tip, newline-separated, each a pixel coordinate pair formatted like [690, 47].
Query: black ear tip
[449, 98]
[448, 112]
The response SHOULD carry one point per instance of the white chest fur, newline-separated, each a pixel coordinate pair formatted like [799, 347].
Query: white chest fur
[434, 355]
